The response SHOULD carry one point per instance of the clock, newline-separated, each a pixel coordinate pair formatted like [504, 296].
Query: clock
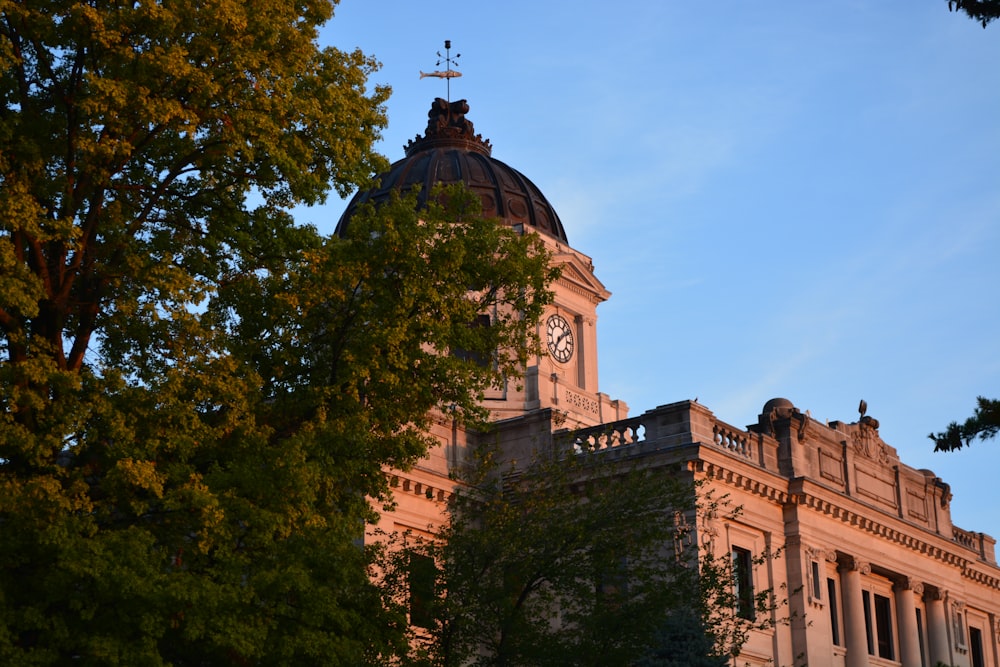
[559, 337]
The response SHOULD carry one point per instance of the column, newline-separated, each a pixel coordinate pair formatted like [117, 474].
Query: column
[906, 608]
[855, 635]
[937, 627]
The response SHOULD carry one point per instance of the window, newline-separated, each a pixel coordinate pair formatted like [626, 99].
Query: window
[743, 582]
[817, 584]
[423, 590]
[866, 601]
[957, 624]
[976, 647]
[878, 625]
[920, 636]
[883, 627]
[474, 357]
[831, 591]
[612, 581]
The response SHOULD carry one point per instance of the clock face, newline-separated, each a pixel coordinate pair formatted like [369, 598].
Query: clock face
[559, 337]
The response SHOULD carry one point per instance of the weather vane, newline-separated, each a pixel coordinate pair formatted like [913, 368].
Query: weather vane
[448, 74]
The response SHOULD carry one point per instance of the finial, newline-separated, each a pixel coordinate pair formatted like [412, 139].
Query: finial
[448, 74]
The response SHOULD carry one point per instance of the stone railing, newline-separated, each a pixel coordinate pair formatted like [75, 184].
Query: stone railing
[607, 436]
[665, 427]
[735, 440]
[974, 541]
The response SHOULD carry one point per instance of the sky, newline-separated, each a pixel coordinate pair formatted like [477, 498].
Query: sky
[785, 199]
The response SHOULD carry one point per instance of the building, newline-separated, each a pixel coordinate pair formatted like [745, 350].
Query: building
[875, 571]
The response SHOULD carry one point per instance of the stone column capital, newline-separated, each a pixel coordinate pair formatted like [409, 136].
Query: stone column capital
[933, 594]
[905, 583]
[852, 564]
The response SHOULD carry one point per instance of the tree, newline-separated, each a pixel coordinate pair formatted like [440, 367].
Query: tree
[983, 424]
[132, 136]
[198, 397]
[983, 11]
[580, 560]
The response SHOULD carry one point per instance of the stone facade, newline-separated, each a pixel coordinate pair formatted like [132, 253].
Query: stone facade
[876, 573]
[874, 570]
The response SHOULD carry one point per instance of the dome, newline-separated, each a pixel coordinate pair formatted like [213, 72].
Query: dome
[777, 403]
[450, 152]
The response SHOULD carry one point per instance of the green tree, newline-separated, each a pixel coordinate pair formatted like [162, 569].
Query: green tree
[983, 424]
[576, 561]
[197, 397]
[983, 11]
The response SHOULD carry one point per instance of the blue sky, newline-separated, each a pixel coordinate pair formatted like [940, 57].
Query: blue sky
[785, 199]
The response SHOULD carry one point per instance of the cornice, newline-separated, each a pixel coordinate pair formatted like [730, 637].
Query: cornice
[969, 568]
[590, 294]
[578, 276]
[980, 577]
[403, 483]
[966, 566]
[743, 481]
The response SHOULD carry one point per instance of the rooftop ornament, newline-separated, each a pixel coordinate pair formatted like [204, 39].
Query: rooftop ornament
[448, 73]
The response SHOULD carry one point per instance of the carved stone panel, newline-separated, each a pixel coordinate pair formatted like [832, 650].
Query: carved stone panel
[916, 505]
[831, 467]
[871, 484]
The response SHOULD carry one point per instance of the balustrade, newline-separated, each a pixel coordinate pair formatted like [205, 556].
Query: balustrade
[736, 441]
[968, 539]
[632, 431]
[606, 436]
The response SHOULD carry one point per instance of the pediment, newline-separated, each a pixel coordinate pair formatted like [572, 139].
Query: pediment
[578, 275]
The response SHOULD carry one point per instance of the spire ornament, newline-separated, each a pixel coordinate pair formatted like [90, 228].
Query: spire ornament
[448, 73]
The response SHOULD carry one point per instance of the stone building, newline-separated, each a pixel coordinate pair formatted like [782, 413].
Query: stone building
[875, 571]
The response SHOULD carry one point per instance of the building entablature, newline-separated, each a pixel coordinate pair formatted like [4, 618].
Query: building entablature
[979, 567]
[425, 486]
[891, 530]
[844, 470]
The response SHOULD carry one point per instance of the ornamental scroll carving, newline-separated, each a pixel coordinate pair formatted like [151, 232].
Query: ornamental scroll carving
[779, 413]
[683, 536]
[819, 554]
[708, 529]
[866, 437]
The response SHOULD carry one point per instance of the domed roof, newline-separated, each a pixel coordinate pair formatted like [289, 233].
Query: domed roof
[450, 152]
[774, 403]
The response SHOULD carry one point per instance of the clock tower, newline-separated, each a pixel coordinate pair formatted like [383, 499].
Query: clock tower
[564, 377]
[558, 388]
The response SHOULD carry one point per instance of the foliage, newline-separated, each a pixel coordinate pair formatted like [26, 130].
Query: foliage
[210, 511]
[983, 11]
[132, 135]
[983, 424]
[197, 397]
[577, 561]
[682, 642]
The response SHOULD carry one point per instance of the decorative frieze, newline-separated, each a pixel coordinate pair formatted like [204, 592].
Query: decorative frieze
[581, 402]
